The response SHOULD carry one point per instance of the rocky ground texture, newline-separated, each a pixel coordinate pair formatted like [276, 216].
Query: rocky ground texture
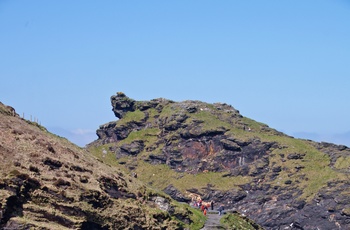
[192, 148]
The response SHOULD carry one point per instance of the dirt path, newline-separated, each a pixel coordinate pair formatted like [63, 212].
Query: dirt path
[213, 221]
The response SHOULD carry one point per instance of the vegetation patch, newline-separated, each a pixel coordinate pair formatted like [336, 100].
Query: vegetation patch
[208, 121]
[135, 116]
[342, 163]
[160, 176]
[197, 219]
[235, 221]
[147, 135]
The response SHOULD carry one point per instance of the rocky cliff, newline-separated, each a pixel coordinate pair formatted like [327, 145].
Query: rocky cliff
[48, 183]
[192, 148]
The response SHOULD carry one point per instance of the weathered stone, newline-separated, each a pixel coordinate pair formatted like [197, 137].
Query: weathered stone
[230, 145]
[133, 148]
[295, 156]
[52, 163]
[122, 104]
[176, 194]
[162, 203]
[191, 109]
[277, 169]
[157, 159]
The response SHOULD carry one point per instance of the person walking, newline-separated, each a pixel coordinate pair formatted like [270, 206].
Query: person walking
[212, 205]
[221, 208]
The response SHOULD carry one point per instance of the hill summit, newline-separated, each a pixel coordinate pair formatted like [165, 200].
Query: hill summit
[196, 149]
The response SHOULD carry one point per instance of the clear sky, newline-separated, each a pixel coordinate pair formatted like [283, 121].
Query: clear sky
[283, 63]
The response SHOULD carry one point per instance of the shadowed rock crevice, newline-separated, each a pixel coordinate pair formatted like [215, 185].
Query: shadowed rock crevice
[21, 188]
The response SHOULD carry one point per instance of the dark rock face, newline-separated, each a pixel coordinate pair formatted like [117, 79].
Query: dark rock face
[295, 156]
[21, 187]
[106, 133]
[53, 164]
[122, 104]
[175, 194]
[194, 151]
[133, 148]
[194, 137]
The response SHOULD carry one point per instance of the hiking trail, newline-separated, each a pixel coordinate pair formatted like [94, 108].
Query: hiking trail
[213, 221]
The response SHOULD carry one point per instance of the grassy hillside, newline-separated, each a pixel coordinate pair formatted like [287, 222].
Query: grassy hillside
[46, 182]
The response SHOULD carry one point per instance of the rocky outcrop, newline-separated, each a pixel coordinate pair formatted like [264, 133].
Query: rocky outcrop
[176, 194]
[122, 104]
[276, 180]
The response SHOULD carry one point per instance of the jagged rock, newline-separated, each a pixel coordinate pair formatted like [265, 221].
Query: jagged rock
[298, 204]
[191, 109]
[176, 194]
[277, 169]
[162, 203]
[175, 122]
[106, 132]
[157, 159]
[144, 105]
[133, 148]
[295, 156]
[230, 145]
[240, 171]
[52, 163]
[122, 104]
[95, 198]
[197, 132]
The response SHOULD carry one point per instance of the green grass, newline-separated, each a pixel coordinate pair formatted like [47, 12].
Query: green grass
[151, 114]
[108, 158]
[210, 121]
[316, 165]
[136, 116]
[237, 222]
[160, 176]
[197, 218]
[170, 109]
[147, 135]
[342, 163]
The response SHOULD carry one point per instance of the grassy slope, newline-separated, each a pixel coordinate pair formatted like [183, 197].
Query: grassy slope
[25, 145]
[235, 221]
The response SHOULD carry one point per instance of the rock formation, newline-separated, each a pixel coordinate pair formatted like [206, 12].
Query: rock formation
[210, 150]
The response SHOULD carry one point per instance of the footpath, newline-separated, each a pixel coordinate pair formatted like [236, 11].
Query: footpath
[213, 221]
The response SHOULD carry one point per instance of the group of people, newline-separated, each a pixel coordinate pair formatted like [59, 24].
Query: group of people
[204, 206]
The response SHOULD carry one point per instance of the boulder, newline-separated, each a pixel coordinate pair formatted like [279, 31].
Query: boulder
[122, 104]
[133, 148]
[230, 145]
[176, 194]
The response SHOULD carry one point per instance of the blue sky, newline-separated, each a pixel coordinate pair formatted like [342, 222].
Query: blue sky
[283, 63]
